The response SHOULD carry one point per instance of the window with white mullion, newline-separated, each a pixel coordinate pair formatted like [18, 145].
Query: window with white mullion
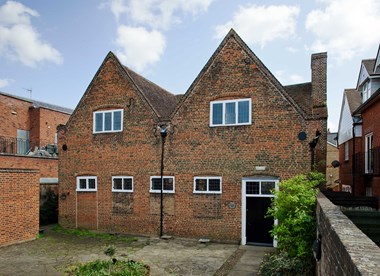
[230, 112]
[108, 121]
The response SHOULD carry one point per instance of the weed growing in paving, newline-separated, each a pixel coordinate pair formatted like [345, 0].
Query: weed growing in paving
[87, 233]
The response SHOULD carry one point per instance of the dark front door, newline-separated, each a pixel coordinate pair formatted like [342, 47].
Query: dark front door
[258, 226]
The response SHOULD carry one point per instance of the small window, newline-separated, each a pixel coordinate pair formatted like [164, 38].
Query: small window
[108, 121]
[260, 187]
[167, 186]
[369, 161]
[346, 151]
[87, 183]
[208, 185]
[230, 112]
[122, 184]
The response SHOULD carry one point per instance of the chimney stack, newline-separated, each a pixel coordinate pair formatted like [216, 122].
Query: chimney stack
[319, 84]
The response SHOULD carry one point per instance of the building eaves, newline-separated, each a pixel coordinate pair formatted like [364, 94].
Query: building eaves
[40, 104]
[372, 100]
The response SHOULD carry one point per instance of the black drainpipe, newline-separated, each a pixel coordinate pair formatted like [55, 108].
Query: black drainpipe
[163, 133]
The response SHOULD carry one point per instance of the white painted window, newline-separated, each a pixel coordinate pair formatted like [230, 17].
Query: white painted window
[346, 151]
[108, 121]
[207, 185]
[230, 112]
[369, 153]
[260, 187]
[167, 185]
[87, 183]
[366, 92]
[122, 184]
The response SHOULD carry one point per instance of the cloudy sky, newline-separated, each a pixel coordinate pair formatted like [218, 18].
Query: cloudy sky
[54, 48]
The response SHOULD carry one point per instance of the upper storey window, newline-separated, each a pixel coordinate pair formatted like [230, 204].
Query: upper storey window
[230, 112]
[366, 91]
[108, 121]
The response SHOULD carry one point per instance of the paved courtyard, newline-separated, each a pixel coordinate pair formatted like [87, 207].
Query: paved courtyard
[53, 253]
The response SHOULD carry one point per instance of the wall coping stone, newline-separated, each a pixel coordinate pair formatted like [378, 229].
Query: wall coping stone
[361, 250]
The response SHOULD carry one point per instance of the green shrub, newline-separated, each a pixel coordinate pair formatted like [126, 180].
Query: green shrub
[282, 264]
[294, 207]
[101, 268]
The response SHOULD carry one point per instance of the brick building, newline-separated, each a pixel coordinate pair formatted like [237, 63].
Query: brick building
[359, 132]
[28, 163]
[28, 134]
[229, 139]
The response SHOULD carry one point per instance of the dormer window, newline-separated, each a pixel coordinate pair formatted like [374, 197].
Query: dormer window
[108, 121]
[230, 112]
[366, 92]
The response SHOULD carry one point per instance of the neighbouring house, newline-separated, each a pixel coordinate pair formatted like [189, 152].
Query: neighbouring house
[361, 131]
[221, 147]
[332, 169]
[28, 163]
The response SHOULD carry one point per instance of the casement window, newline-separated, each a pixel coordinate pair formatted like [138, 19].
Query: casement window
[368, 153]
[122, 184]
[346, 151]
[108, 121]
[167, 185]
[230, 112]
[366, 92]
[208, 185]
[87, 183]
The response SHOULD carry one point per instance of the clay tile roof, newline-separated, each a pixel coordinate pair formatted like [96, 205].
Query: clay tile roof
[161, 100]
[354, 99]
[301, 94]
[369, 64]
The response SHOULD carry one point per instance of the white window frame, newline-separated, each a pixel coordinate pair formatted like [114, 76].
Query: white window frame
[122, 190]
[236, 112]
[207, 179]
[87, 189]
[164, 191]
[112, 119]
[346, 151]
[368, 162]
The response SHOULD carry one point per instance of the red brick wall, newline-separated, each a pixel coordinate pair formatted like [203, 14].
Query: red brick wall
[48, 167]
[19, 205]
[11, 122]
[41, 123]
[371, 124]
[192, 149]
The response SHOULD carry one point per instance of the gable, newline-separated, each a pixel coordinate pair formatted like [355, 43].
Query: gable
[376, 69]
[116, 86]
[345, 122]
[234, 56]
[363, 75]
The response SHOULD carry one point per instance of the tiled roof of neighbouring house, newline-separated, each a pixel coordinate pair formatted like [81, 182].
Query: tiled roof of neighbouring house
[354, 99]
[332, 138]
[369, 65]
[161, 100]
[41, 104]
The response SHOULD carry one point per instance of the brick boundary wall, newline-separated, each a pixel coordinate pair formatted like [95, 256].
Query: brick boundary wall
[346, 250]
[19, 205]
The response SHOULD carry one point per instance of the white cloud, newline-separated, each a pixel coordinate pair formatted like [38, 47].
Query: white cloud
[138, 47]
[262, 24]
[287, 79]
[5, 82]
[345, 28]
[19, 40]
[158, 14]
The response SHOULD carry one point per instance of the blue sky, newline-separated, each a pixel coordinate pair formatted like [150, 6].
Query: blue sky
[56, 47]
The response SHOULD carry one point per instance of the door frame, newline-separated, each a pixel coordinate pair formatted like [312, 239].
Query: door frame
[244, 203]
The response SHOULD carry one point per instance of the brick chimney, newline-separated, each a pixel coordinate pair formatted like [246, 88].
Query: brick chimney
[319, 84]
